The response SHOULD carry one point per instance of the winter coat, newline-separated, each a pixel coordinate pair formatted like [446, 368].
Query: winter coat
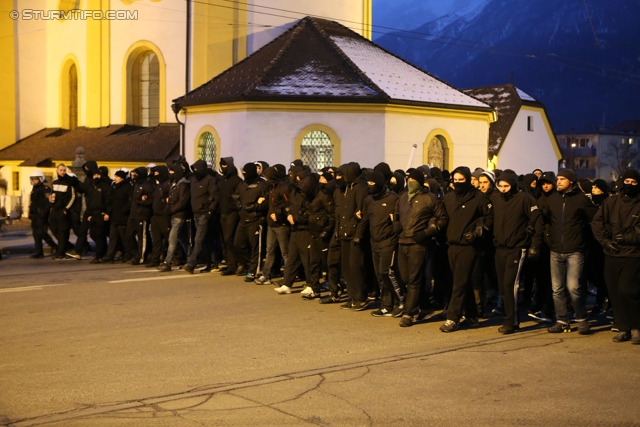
[65, 195]
[517, 222]
[350, 202]
[179, 204]
[377, 217]
[618, 220]
[248, 195]
[420, 218]
[122, 194]
[227, 186]
[204, 195]
[322, 215]
[470, 216]
[141, 210]
[99, 198]
[160, 196]
[39, 202]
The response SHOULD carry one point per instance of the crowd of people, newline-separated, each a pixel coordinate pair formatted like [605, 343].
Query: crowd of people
[401, 243]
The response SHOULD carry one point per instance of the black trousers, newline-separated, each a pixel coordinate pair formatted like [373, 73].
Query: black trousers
[82, 233]
[248, 244]
[228, 225]
[509, 264]
[623, 279]
[60, 225]
[333, 266]
[299, 255]
[138, 248]
[382, 264]
[160, 228]
[544, 292]
[353, 267]
[318, 254]
[410, 272]
[98, 235]
[117, 232]
[462, 261]
[39, 228]
[485, 279]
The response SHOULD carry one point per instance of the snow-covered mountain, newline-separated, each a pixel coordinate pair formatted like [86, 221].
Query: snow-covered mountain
[582, 62]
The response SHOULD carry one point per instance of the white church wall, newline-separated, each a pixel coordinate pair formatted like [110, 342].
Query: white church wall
[524, 150]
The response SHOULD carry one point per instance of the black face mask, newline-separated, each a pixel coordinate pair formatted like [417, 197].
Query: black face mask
[374, 189]
[460, 187]
[340, 180]
[598, 199]
[173, 177]
[631, 190]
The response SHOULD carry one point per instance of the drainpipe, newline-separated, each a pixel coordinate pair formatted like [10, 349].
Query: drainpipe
[176, 110]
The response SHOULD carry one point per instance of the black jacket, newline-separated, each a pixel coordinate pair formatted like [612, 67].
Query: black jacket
[377, 216]
[517, 222]
[470, 215]
[122, 194]
[65, 194]
[568, 215]
[204, 191]
[279, 191]
[99, 198]
[39, 204]
[179, 205]
[618, 220]
[227, 186]
[160, 196]
[141, 210]
[322, 214]
[350, 202]
[248, 195]
[421, 218]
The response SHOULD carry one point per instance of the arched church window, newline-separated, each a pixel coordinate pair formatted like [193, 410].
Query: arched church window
[145, 84]
[436, 153]
[73, 97]
[207, 148]
[316, 150]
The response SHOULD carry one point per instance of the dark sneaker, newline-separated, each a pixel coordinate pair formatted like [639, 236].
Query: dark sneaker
[558, 328]
[262, 280]
[36, 256]
[381, 312]
[539, 316]
[622, 336]
[422, 314]
[227, 272]
[506, 330]
[449, 326]
[359, 306]
[397, 311]
[165, 267]
[583, 327]
[189, 269]
[73, 254]
[406, 321]
[329, 299]
[215, 268]
[346, 305]
[312, 295]
[469, 322]
[240, 271]
[250, 277]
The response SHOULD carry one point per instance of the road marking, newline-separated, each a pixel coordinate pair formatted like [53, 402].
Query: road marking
[144, 279]
[30, 288]
[147, 270]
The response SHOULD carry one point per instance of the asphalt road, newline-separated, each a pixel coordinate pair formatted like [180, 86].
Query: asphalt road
[114, 345]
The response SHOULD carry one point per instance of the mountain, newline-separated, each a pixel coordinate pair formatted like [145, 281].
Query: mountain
[583, 64]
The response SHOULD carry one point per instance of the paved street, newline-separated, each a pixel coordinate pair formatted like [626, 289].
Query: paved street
[114, 345]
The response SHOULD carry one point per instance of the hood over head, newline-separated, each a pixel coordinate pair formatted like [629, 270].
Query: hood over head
[178, 172]
[434, 186]
[385, 170]
[163, 173]
[141, 173]
[351, 172]
[426, 170]
[88, 167]
[436, 173]
[273, 175]
[199, 169]
[293, 174]
[511, 179]
[250, 172]
[282, 170]
[309, 184]
[378, 182]
[461, 188]
[398, 185]
[228, 167]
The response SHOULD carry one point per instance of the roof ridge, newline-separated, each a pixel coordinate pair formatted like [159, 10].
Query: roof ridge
[295, 30]
[343, 55]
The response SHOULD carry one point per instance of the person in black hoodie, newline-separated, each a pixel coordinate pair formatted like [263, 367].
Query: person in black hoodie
[518, 230]
[299, 243]
[99, 205]
[62, 198]
[204, 202]
[139, 216]
[377, 216]
[321, 226]
[252, 200]
[229, 218]
[419, 216]
[39, 207]
[470, 215]
[600, 191]
[80, 224]
[353, 249]
[568, 213]
[616, 227]
[278, 228]
[161, 220]
[179, 211]
[122, 192]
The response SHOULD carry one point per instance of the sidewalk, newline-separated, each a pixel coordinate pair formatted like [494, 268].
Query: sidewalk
[17, 239]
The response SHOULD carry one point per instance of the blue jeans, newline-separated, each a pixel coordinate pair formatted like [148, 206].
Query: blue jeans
[177, 234]
[276, 236]
[568, 282]
[202, 223]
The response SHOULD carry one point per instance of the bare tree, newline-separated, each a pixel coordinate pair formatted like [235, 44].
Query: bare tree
[620, 155]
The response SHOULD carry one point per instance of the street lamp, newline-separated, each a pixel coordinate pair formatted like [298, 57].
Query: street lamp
[573, 160]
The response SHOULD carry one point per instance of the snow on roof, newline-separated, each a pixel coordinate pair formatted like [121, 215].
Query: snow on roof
[524, 96]
[399, 79]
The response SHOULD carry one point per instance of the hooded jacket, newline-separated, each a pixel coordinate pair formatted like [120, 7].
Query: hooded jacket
[99, 198]
[252, 196]
[517, 220]
[469, 211]
[179, 204]
[350, 201]
[568, 216]
[377, 218]
[204, 190]
[618, 220]
[322, 212]
[301, 196]
[227, 185]
[65, 194]
[141, 210]
[421, 217]
[279, 191]
[121, 208]
[161, 192]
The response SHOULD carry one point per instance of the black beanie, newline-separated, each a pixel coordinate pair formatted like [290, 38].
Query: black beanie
[631, 173]
[417, 175]
[602, 185]
[250, 172]
[121, 174]
[568, 173]
[377, 177]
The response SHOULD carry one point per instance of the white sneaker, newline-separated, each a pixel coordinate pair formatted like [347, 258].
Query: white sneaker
[306, 291]
[283, 289]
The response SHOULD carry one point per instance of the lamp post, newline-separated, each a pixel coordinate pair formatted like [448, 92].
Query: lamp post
[573, 159]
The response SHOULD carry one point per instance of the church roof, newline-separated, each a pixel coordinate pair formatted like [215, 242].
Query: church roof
[323, 61]
[114, 143]
[506, 100]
